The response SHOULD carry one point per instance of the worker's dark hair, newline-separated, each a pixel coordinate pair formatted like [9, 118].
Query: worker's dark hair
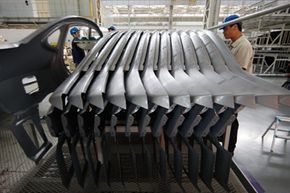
[239, 26]
[112, 28]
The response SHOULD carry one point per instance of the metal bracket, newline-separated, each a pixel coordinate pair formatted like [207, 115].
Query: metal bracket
[29, 146]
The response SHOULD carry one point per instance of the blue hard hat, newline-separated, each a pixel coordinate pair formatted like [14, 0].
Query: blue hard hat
[230, 18]
[74, 30]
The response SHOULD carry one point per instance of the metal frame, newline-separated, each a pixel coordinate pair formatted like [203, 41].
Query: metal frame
[260, 20]
[173, 112]
[278, 119]
[253, 15]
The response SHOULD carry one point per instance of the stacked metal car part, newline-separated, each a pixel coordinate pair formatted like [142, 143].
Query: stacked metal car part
[162, 97]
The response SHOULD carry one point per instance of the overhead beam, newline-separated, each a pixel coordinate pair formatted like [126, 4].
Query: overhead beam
[253, 15]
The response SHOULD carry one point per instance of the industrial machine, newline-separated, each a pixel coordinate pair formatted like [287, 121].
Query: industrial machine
[142, 112]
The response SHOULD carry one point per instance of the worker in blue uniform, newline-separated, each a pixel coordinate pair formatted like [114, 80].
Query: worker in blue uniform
[77, 53]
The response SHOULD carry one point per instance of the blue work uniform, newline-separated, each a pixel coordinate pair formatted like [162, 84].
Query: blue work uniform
[77, 53]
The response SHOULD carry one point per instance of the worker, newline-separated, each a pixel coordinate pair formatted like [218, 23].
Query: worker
[77, 53]
[240, 45]
[243, 52]
[111, 28]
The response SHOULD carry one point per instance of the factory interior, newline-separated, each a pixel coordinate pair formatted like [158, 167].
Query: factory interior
[127, 96]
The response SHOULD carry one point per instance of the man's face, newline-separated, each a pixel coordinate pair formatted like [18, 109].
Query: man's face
[228, 31]
[77, 34]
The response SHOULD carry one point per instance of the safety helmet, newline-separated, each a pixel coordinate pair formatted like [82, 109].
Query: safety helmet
[74, 30]
[112, 28]
[230, 18]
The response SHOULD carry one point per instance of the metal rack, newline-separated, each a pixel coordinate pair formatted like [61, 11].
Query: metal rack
[45, 178]
[270, 36]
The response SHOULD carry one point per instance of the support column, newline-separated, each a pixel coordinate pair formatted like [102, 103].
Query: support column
[98, 12]
[205, 16]
[212, 10]
[129, 16]
[170, 15]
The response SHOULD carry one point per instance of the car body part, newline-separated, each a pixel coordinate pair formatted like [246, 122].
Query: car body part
[31, 69]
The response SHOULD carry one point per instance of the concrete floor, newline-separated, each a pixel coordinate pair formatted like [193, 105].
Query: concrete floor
[270, 169]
